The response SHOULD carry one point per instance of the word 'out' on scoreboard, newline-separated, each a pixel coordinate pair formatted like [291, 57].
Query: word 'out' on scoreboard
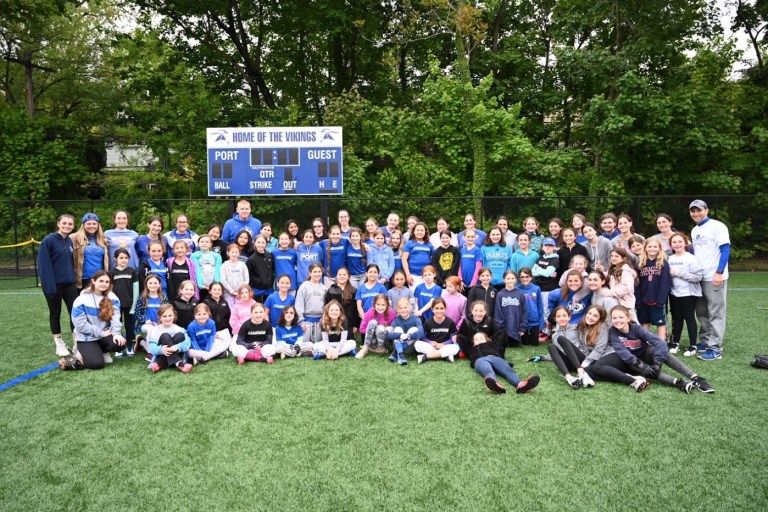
[275, 161]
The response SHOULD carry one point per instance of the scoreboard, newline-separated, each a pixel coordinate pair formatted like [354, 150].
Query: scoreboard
[275, 161]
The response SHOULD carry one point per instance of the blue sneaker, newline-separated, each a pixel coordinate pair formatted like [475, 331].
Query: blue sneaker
[393, 356]
[401, 360]
[710, 355]
[318, 356]
[352, 353]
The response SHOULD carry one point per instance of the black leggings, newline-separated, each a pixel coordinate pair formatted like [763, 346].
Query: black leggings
[92, 352]
[166, 340]
[683, 309]
[68, 293]
[573, 356]
[531, 336]
[127, 319]
[613, 368]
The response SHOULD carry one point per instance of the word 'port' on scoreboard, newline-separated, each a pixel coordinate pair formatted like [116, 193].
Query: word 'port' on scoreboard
[275, 161]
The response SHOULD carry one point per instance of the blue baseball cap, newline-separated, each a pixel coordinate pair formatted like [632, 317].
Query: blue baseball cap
[90, 216]
[548, 241]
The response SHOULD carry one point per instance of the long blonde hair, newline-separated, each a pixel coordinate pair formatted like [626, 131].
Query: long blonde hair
[660, 258]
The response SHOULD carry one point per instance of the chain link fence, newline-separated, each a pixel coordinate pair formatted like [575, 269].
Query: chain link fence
[21, 221]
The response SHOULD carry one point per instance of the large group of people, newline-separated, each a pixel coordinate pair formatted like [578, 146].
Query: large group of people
[592, 294]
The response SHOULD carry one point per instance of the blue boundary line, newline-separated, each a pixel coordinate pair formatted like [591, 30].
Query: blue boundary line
[27, 376]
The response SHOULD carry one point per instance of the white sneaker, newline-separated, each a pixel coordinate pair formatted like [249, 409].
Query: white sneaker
[119, 355]
[575, 382]
[362, 352]
[640, 384]
[450, 358]
[107, 358]
[421, 358]
[61, 347]
[586, 380]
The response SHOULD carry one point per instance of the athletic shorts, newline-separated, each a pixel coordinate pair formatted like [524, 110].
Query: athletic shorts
[654, 315]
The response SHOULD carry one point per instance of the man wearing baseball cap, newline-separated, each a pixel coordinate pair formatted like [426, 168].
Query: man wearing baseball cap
[711, 244]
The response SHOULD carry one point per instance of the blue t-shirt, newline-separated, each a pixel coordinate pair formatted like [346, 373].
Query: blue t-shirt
[276, 305]
[356, 261]
[285, 263]
[153, 304]
[424, 295]
[419, 256]
[469, 259]
[305, 256]
[367, 295]
[289, 335]
[496, 258]
[202, 336]
[93, 258]
[338, 256]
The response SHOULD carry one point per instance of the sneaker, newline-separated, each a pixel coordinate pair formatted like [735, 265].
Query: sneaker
[528, 384]
[575, 382]
[640, 384]
[119, 355]
[270, 360]
[148, 357]
[710, 355]
[107, 358]
[586, 380]
[421, 358]
[401, 360]
[282, 356]
[363, 352]
[684, 386]
[129, 351]
[393, 356]
[61, 347]
[674, 348]
[703, 385]
[241, 360]
[318, 356]
[185, 368]
[352, 353]
[155, 367]
[495, 386]
[695, 349]
[450, 359]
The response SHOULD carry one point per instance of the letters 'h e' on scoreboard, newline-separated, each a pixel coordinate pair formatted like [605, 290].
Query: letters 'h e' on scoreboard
[275, 161]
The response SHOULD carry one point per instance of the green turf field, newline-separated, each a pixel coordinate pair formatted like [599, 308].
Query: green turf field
[368, 435]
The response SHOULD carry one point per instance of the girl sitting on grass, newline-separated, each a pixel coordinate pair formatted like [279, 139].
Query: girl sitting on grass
[439, 340]
[333, 327]
[202, 334]
[576, 349]
[377, 322]
[254, 339]
[406, 330]
[288, 337]
[168, 342]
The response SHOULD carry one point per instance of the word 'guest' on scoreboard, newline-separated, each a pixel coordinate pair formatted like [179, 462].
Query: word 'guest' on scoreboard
[275, 161]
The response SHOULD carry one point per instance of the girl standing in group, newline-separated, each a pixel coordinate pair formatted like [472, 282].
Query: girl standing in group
[155, 228]
[57, 276]
[218, 245]
[482, 291]
[291, 228]
[406, 330]
[335, 250]
[511, 311]
[471, 224]
[234, 273]
[568, 250]
[146, 316]
[279, 299]
[509, 236]
[96, 317]
[285, 260]
[185, 303]
[180, 269]
[266, 232]
[576, 353]
[241, 309]
[181, 233]
[207, 265]
[371, 225]
[310, 301]
[442, 225]
[261, 270]
[395, 243]
[496, 256]
[307, 255]
[382, 255]
[205, 344]
[531, 228]
[399, 290]
[334, 333]
[577, 223]
[168, 342]
[416, 255]
[125, 285]
[626, 232]
[254, 338]
[598, 248]
[445, 259]
[655, 285]
[318, 229]
[120, 237]
[621, 280]
[439, 336]
[534, 299]
[344, 293]
[664, 225]
[220, 313]
[344, 224]
[426, 292]
[574, 281]
[555, 228]
[471, 259]
[356, 258]
[91, 250]
[156, 266]
[455, 301]
[368, 291]
[524, 256]
[598, 285]
[545, 277]
[377, 322]
[244, 241]
[686, 274]
[288, 337]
